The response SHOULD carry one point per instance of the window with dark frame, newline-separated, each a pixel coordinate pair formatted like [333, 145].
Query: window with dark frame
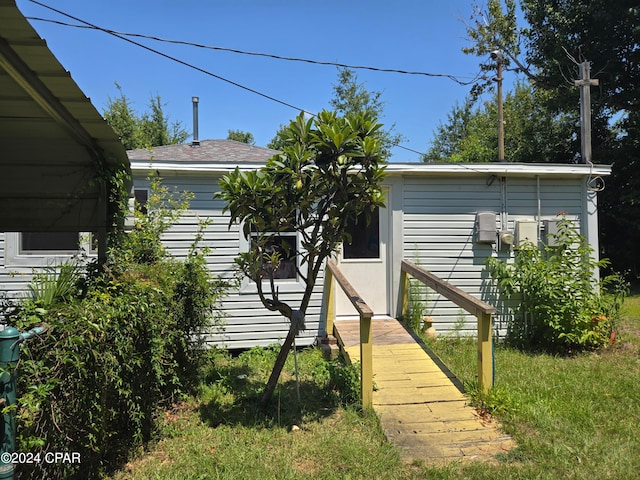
[49, 242]
[365, 237]
[141, 197]
[285, 243]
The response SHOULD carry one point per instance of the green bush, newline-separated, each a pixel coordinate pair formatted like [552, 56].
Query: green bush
[124, 345]
[561, 306]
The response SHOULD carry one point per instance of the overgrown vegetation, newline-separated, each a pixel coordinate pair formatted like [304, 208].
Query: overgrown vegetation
[561, 306]
[122, 343]
[571, 416]
[418, 296]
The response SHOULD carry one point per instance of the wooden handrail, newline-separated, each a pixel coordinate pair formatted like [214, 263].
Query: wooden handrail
[461, 298]
[482, 311]
[332, 272]
[355, 299]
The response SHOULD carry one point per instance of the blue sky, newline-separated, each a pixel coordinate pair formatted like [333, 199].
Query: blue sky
[416, 35]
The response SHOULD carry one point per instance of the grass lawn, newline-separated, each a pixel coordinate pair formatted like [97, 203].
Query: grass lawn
[575, 417]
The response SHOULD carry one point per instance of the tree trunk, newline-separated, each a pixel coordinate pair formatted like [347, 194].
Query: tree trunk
[279, 365]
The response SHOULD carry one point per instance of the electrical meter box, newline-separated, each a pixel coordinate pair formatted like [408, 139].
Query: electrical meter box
[550, 231]
[486, 227]
[527, 231]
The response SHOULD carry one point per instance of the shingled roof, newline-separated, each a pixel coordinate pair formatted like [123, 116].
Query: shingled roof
[209, 151]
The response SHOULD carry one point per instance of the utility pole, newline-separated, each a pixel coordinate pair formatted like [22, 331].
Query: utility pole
[497, 56]
[585, 82]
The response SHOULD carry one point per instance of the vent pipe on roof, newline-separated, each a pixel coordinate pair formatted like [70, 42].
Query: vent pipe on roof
[196, 141]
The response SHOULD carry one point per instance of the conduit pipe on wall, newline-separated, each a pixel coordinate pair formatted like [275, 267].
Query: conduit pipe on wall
[504, 216]
[539, 205]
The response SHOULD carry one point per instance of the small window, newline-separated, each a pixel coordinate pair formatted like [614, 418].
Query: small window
[49, 242]
[365, 237]
[141, 197]
[285, 245]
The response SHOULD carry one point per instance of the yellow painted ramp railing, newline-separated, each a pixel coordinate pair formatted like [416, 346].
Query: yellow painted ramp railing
[480, 309]
[366, 363]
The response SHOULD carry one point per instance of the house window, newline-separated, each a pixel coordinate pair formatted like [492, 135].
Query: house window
[49, 242]
[285, 244]
[34, 249]
[142, 197]
[365, 237]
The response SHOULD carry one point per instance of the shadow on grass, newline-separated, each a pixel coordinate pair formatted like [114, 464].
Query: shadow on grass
[235, 392]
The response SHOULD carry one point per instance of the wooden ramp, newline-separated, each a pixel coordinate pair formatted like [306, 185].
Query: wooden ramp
[419, 402]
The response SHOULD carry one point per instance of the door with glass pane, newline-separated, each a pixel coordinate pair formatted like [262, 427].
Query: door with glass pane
[363, 262]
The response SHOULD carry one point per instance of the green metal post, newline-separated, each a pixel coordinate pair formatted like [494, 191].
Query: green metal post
[10, 339]
[9, 356]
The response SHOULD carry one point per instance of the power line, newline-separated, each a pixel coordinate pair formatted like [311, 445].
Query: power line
[169, 57]
[123, 36]
[455, 78]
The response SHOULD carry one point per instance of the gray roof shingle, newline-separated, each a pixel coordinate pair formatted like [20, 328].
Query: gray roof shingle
[209, 151]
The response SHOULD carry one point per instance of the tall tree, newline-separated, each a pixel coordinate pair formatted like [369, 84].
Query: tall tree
[150, 129]
[554, 37]
[328, 174]
[240, 136]
[123, 119]
[351, 96]
[532, 133]
[620, 201]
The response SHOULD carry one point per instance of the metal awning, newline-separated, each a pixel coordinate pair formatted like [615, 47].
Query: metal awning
[56, 150]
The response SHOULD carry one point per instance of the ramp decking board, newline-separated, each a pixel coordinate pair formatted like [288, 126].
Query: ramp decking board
[421, 408]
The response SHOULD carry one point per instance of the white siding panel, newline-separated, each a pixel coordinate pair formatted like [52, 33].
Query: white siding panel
[436, 230]
[439, 233]
[246, 322]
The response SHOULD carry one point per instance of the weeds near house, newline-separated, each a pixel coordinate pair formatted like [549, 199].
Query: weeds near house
[561, 306]
[56, 284]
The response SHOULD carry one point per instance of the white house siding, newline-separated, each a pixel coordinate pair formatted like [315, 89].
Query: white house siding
[439, 214]
[433, 223]
[17, 272]
[246, 323]
[14, 281]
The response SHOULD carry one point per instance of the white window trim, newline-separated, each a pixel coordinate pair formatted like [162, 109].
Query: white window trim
[15, 258]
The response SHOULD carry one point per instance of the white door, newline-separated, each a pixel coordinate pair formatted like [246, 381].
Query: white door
[364, 264]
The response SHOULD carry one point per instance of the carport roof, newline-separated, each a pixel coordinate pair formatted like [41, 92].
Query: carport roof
[56, 150]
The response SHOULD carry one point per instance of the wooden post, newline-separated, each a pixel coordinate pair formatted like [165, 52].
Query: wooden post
[366, 361]
[585, 82]
[485, 353]
[366, 338]
[403, 302]
[330, 304]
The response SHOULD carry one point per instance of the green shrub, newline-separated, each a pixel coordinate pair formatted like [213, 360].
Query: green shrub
[124, 345]
[56, 284]
[340, 380]
[561, 306]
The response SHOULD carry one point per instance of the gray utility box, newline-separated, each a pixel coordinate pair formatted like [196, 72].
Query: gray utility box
[486, 227]
[551, 228]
